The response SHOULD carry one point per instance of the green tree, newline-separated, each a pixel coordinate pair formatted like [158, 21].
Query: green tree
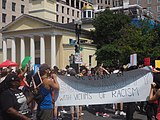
[142, 40]
[107, 26]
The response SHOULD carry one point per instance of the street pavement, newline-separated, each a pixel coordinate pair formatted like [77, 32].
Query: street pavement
[90, 115]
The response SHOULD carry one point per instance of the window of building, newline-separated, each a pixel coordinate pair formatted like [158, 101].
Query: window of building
[4, 4]
[158, 17]
[77, 4]
[62, 19]
[158, 8]
[3, 18]
[62, 9]
[149, 1]
[57, 7]
[37, 45]
[89, 14]
[109, 2]
[67, 20]
[13, 6]
[72, 12]
[78, 14]
[72, 3]
[105, 1]
[67, 2]
[149, 9]
[84, 14]
[68, 11]
[139, 2]
[22, 9]
[57, 17]
[73, 20]
[13, 18]
[97, 1]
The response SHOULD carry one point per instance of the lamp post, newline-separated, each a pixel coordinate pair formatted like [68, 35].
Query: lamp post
[78, 24]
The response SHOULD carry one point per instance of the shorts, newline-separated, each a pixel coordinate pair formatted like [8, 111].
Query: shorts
[45, 114]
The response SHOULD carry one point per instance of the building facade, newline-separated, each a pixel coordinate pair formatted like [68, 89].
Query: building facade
[103, 4]
[40, 36]
[153, 6]
[9, 11]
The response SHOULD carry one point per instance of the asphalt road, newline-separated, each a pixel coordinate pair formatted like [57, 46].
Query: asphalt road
[90, 115]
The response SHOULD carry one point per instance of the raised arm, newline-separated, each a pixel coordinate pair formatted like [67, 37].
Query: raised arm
[54, 83]
[152, 96]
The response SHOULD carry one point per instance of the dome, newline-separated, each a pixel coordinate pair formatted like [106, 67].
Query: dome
[87, 7]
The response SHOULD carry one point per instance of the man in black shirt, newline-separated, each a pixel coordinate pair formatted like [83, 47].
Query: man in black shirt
[13, 102]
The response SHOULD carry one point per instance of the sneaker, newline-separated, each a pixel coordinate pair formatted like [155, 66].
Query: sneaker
[82, 113]
[106, 115]
[117, 112]
[63, 111]
[122, 113]
[97, 113]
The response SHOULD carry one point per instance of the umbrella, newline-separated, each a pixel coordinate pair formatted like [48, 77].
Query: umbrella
[25, 61]
[8, 63]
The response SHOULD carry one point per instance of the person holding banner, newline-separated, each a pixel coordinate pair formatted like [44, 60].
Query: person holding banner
[45, 107]
[100, 108]
[155, 96]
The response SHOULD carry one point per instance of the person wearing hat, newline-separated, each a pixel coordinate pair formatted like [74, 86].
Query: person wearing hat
[12, 100]
[45, 107]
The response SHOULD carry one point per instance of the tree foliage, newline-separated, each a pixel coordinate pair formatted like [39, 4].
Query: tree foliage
[117, 39]
[107, 26]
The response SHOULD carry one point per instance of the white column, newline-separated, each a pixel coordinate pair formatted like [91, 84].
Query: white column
[32, 50]
[22, 48]
[13, 52]
[42, 50]
[53, 50]
[4, 43]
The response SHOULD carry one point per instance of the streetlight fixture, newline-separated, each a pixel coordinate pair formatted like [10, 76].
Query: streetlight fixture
[77, 56]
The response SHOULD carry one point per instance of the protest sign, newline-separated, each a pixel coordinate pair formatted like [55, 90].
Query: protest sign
[130, 86]
[133, 60]
[157, 63]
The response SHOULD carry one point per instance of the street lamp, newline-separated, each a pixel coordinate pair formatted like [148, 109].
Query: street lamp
[78, 24]
[77, 56]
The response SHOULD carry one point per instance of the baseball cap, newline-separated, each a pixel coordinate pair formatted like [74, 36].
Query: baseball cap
[12, 77]
[43, 67]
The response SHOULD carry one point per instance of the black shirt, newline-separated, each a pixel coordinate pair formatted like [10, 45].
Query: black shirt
[15, 99]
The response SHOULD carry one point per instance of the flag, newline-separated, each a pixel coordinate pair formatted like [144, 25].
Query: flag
[25, 61]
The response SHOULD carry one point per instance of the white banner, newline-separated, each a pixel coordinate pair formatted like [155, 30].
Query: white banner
[130, 86]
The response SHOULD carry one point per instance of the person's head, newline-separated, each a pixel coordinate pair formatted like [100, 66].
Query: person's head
[4, 72]
[44, 69]
[12, 80]
[55, 69]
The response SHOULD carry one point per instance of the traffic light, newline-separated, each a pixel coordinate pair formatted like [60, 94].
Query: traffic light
[76, 49]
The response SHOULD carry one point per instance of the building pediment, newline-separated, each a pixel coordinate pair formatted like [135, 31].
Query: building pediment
[26, 22]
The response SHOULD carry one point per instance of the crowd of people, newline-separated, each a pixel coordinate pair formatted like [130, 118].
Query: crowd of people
[25, 95]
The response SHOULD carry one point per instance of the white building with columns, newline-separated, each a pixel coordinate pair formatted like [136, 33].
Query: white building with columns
[45, 41]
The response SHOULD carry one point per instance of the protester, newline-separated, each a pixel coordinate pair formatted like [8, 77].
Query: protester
[131, 107]
[21, 74]
[12, 100]
[100, 109]
[45, 107]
